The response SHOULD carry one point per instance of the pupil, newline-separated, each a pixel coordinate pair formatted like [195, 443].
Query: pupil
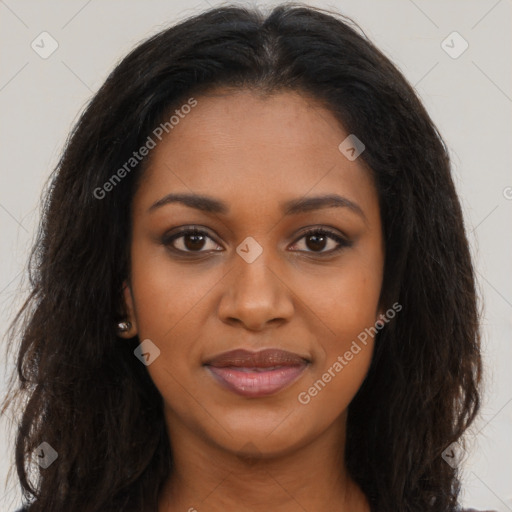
[316, 245]
[193, 246]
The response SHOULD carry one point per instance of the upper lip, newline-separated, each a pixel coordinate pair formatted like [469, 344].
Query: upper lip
[262, 359]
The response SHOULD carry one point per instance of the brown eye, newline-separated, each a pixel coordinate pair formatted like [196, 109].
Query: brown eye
[195, 240]
[189, 240]
[318, 239]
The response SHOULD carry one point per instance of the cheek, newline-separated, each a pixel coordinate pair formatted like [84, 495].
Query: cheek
[347, 306]
[332, 387]
[346, 299]
[170, 307]
[167, 298]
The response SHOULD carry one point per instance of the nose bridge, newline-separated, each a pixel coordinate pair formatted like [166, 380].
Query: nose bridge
[255, 294]
[253, 274]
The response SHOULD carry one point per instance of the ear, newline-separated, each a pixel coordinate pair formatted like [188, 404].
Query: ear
[129, 309]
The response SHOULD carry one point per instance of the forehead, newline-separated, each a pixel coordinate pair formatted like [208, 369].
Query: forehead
[237, 123]
[248, 146]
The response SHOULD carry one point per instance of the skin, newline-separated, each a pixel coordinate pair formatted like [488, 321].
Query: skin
[253, 152]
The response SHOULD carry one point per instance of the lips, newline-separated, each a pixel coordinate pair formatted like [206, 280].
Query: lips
[262, 359]
[256, 374]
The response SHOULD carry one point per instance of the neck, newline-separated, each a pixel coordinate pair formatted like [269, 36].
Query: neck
[208, 477]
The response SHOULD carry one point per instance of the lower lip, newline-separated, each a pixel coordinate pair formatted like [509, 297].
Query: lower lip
[257, 383]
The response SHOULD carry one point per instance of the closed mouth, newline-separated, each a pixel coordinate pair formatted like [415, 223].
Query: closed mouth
[257, 374]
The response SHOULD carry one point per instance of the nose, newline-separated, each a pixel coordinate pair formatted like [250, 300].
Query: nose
[256, 295]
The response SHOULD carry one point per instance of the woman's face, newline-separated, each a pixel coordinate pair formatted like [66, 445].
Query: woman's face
[255, 279]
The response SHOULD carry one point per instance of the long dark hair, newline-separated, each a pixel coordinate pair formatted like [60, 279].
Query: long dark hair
[81, 387]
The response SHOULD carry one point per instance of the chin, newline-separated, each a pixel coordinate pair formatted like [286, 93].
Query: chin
[259, 439]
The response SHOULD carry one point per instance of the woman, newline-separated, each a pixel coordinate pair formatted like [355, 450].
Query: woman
[252, 288]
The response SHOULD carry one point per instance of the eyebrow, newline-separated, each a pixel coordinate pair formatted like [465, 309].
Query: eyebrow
[291, 207]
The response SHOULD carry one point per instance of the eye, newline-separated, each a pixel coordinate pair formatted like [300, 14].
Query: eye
[317, 239]
[193, 240]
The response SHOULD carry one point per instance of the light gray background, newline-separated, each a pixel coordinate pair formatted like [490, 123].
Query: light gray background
[469, 98]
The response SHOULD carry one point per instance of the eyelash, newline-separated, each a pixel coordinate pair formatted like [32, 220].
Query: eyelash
[343, 243]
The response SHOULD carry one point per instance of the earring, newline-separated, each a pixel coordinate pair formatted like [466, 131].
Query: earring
[124, 326]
